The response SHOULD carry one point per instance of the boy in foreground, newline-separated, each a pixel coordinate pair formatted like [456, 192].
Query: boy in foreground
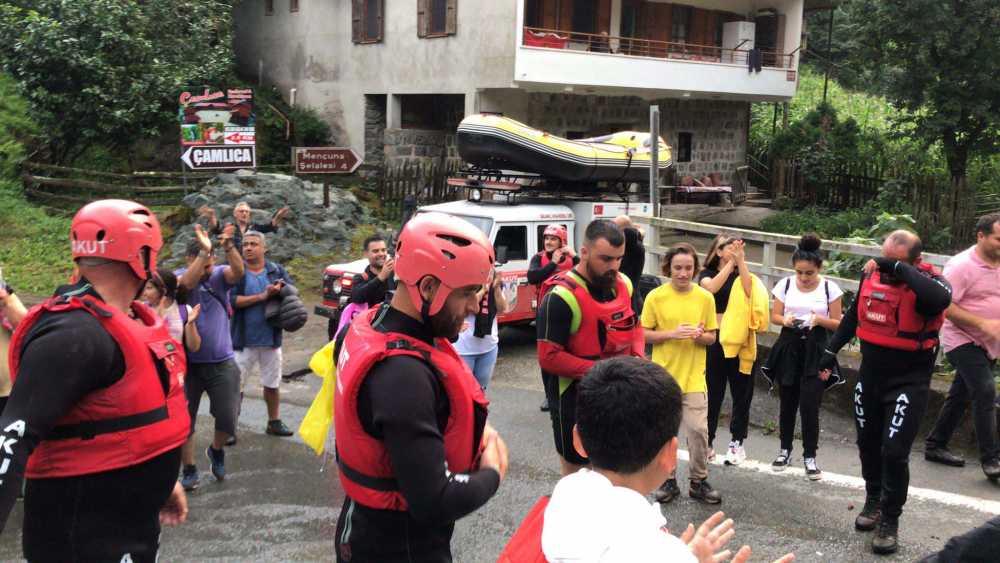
[628, 414]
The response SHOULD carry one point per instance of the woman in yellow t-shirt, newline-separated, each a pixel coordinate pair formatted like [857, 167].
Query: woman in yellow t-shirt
[679, 321]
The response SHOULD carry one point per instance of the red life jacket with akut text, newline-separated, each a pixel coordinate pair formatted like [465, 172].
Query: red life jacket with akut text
[607, 329]
[887, 315]
[366, 471]
[141, 416]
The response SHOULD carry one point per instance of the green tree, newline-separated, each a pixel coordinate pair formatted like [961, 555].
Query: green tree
[110, 72]
[818, 142]
[940, 61]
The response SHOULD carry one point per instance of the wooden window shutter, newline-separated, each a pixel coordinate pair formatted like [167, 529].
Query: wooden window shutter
[381, 9]
[357, 26]
[451, 17]
[423, 17]
[604, 16]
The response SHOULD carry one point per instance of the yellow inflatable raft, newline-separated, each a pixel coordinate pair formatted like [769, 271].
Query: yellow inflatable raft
[493, 142]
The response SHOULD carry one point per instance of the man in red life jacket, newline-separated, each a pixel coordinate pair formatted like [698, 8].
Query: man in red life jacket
[97, 403]
[897, 314]
[585, 316]
[555, 256]
[413, 447]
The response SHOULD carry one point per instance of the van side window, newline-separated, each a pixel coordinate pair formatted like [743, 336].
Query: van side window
[515, 238]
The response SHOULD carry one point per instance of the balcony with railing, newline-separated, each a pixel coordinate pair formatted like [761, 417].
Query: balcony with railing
[662, 50]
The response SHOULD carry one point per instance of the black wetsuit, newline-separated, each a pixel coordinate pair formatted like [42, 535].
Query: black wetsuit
[97, 517]
[372, 291]
[890, 397]
[402, 402]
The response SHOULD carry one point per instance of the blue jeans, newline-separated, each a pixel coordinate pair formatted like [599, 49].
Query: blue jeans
[482, 366]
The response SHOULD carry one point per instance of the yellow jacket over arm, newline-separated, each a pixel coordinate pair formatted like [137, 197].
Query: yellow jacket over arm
[743, 319]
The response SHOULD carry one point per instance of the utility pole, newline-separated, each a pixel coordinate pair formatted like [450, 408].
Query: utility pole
[829, 61]
[654, 158]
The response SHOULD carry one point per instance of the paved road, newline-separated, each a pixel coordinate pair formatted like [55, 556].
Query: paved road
[280, 501]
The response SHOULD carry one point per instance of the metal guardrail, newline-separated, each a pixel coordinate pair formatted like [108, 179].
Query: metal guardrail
[768, 270]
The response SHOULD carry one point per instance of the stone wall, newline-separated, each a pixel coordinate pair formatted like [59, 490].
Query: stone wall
[427, 146]
[375, 122]
[415, 146]
[718, 127]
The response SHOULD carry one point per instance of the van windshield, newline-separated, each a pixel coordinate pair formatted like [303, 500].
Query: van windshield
[484, 224]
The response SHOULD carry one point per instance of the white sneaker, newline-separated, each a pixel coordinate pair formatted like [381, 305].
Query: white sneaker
[735, 455]
[812, 469]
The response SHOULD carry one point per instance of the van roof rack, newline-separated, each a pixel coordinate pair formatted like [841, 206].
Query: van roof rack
[534, 185]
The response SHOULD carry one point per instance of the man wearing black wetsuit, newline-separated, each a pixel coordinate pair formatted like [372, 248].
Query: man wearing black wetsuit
[898, 310]
[104, 417]
[555, 256]
[414, 450]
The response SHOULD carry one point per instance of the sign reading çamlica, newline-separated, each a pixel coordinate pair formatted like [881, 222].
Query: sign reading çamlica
[218, 128]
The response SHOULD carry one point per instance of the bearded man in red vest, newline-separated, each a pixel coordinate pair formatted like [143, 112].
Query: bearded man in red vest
[98, 403]
[414, 450]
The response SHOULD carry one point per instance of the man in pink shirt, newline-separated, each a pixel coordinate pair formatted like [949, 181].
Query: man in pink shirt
[971, 340]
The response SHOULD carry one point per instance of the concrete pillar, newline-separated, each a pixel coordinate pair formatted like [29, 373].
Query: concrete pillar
[472, 103]
[394, 111]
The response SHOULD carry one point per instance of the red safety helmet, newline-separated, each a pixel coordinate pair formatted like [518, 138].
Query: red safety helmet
[118, 230]
[445, 247]
[556, 231]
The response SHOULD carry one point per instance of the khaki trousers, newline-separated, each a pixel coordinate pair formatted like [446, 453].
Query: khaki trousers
[694, 419]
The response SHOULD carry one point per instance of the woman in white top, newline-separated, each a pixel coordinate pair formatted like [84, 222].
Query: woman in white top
[162, 296]
[806, 305]
[477, 343]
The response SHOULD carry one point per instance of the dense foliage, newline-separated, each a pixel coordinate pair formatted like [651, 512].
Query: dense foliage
[108, 72]
[939, 60]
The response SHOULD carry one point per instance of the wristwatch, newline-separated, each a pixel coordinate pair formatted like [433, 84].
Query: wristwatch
[203, 254]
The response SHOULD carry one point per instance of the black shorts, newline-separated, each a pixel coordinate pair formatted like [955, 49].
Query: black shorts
[562, 409]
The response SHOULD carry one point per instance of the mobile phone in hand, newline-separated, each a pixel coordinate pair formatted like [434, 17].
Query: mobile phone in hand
[798, 322]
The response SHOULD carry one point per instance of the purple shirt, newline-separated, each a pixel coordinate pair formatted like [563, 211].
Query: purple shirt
[213, 321]
[976, 289]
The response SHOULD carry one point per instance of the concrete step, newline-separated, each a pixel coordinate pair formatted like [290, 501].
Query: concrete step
[762, 203]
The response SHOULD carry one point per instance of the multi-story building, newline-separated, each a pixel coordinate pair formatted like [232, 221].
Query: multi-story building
[394, 78]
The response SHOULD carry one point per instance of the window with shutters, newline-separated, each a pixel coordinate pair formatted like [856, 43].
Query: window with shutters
[684, 142]
[436, 18]
[682, 23]
[293, 5]
[366, 21]
[268, 7]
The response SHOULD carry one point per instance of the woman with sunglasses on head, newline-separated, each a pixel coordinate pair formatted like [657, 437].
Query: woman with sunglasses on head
[725, 265]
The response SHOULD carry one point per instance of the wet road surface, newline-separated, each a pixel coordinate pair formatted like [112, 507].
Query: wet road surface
[280, 502]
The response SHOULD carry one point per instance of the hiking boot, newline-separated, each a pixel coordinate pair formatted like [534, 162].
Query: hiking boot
[544, 407]
[231, 441]
[886, 538]
[869, 515]
[189, 478]
[278, 428]
[218, 459]
[992, 469]
[736, 455]
[704, 492]
[812, 470]
[667, 492]
[781, 462]
[943, 456]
